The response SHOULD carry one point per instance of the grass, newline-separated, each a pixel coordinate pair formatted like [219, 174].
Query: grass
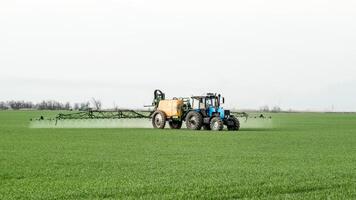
[305, 156]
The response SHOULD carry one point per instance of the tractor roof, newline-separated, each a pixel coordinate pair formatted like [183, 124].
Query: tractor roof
[209, 95]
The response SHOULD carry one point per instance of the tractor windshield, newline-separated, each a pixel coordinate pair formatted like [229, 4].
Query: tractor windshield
[204, 102]
[212, 102]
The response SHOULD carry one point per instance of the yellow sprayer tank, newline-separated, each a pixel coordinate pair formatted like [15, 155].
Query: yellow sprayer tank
[172, 108]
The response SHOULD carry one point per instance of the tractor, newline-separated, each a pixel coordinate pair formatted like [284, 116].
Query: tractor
[197, 112]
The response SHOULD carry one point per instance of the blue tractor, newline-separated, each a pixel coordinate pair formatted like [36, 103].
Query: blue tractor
[206, 112]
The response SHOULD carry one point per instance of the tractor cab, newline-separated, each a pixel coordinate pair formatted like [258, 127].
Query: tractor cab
[209, 105]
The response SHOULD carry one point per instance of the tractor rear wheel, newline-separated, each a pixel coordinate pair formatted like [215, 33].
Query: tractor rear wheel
[194, 120]
[159, 120]
[216, 124]
[175, 124]
[235, 124]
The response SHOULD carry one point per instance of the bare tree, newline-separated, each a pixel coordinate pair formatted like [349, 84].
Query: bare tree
[76, 106]
[84, 106]
[3, 105]
[96, 103]
[276, 109]
[264, 108]
[67, 106]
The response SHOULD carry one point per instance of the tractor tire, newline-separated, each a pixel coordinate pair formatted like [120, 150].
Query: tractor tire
[159, 120]
[236, 124]
[175, 124]
[216, 124]
[206, 127]
[194, 120]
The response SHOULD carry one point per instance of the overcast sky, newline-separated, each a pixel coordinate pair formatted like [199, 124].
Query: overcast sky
[295, 54]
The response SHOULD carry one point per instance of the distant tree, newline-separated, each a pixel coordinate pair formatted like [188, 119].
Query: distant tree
[264, 108]
[97, 104]
[28, 105]
[67, 106]
[51, 105]
[84, 106]
[76, 106]
[3, 105]
[276, 109]
[16, 105]
[42, 105]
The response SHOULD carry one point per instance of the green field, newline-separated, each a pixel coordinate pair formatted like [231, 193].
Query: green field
[304, 156]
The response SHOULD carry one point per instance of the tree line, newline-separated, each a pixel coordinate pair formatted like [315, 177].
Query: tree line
[266, 108]
[43, 105]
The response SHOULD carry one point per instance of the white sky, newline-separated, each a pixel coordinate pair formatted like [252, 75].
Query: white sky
[295, 54]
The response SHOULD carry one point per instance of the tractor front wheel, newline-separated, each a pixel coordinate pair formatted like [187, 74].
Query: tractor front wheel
[159, 120]
[194, 120]
[175, 124]
[216, 124]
